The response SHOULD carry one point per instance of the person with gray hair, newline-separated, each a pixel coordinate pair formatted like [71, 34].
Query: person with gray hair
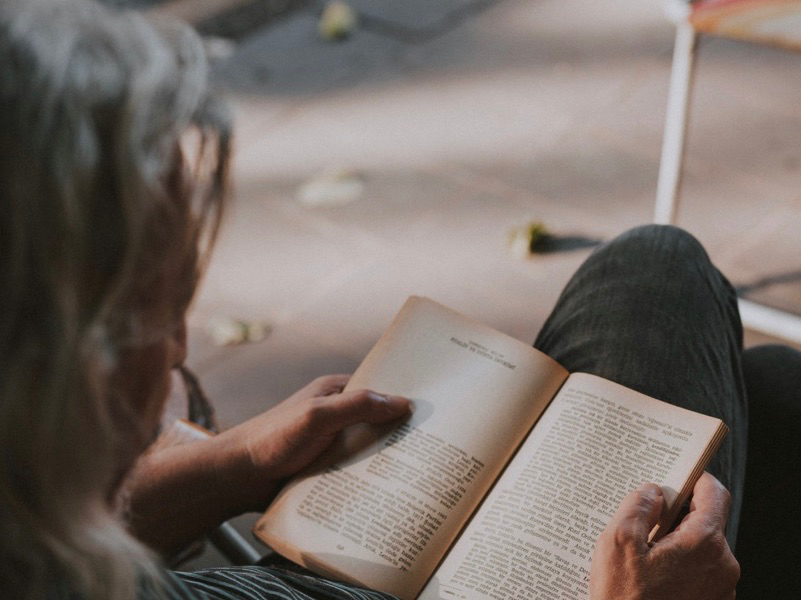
[114, 157]
[113, 164]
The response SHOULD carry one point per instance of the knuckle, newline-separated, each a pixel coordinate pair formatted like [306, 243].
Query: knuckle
[734, 571]
[725, 494]
[726, 497]
[647, 500]
[722, 493]
[620, 538]
[318, 410]
[714, 549]
[362, 398]
[649, 492]
[328, 382]
[709, 547]
[360, 395]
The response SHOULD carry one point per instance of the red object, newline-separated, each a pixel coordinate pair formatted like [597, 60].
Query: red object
[775, 22]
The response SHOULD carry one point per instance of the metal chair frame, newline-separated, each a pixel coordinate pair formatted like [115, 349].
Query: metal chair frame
[754, 316]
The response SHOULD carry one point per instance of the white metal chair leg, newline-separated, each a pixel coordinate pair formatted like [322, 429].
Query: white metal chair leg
[771, 321]
[675, 125]
[754, 316]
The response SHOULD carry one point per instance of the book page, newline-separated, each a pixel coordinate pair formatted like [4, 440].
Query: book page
[385, 516]
[535, 534]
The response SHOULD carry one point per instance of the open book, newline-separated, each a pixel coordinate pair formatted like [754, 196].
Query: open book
[482, 493]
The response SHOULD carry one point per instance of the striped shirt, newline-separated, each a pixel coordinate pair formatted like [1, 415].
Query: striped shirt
[255, 583]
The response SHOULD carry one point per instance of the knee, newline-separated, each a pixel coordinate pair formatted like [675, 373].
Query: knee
[665, 237]
[763, 357]
[773, 378]
[658, 245]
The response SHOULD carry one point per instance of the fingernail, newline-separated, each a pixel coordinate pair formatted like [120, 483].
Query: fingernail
[651, 490]
[396, 404]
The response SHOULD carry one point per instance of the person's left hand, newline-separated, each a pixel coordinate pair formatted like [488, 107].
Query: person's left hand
[282, 441]
[692, 562]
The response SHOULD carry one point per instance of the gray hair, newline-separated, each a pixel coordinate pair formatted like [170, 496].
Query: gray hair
[101, 209]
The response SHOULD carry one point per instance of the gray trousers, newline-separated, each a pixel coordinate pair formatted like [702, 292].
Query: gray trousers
[648, 310]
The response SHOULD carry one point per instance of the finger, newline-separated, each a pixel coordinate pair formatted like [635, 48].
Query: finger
[705, 524]
[337, 412]
[711, 500]
[636, 517]
[324, 386]
[701, 535]
[332, 384]
[709, 508]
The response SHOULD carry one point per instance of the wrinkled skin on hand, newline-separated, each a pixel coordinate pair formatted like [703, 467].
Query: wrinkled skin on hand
[290, 436]
[692, 562]
[178, 493]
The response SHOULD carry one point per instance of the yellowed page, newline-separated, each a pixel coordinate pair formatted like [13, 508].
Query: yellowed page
[534, 535]
[385, 517]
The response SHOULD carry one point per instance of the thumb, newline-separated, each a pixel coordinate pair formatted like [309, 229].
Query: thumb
[360, 406]
[636, 517]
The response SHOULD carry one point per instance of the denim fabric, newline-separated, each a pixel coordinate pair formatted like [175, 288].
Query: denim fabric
[648, 310]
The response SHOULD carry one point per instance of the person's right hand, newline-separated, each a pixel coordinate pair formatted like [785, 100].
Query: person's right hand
[180, 492]
[285, 439]
[692, 562]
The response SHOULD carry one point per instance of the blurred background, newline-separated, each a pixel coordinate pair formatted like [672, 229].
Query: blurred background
[397, 147]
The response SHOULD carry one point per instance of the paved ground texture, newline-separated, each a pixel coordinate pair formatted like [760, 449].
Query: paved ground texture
[397, 161]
